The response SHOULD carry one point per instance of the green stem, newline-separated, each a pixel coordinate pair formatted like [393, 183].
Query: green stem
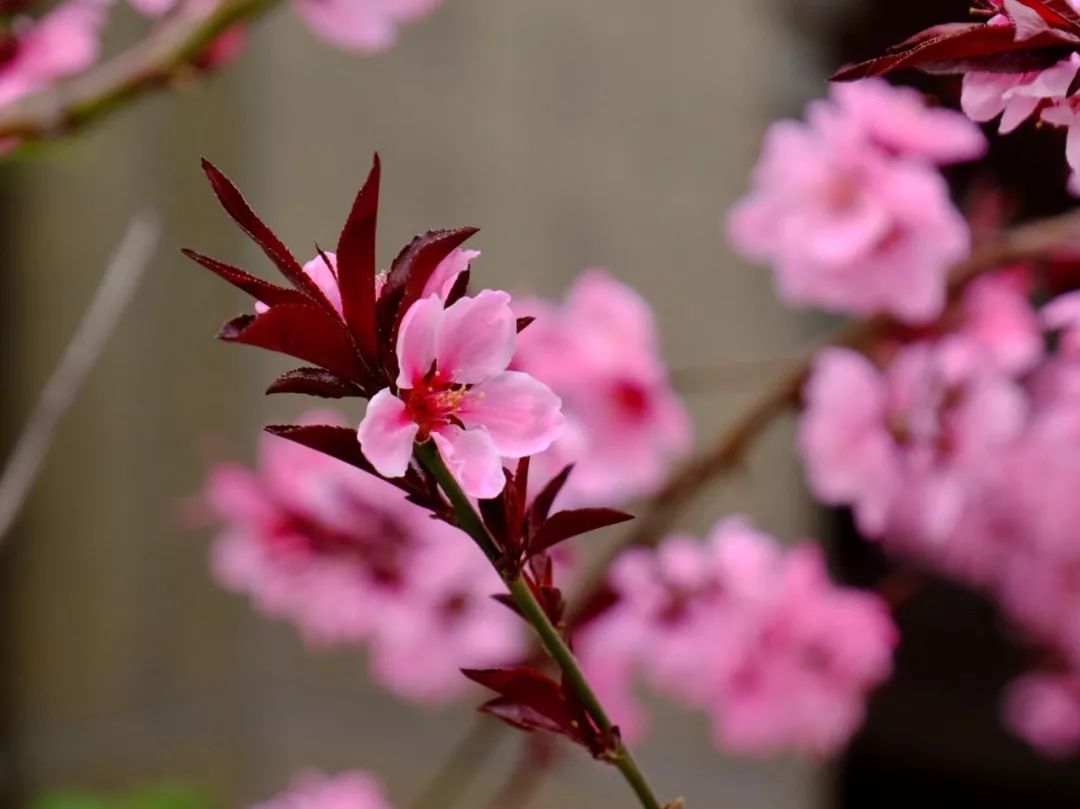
[470, 522]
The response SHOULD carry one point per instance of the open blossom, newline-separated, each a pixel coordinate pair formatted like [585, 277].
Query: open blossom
[63, 42]
[758, 637]
[599, 351]
[850, 221]
[343, 556]
[454, 388]
[314, 790]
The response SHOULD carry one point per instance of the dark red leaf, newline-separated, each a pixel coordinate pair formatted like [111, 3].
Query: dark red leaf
[264, 291]
[507, 601]
[405, 282]
[523, 717]
[566, 524]
[315, 382]
[527, 695]
[460, 287]
[237, 207]
[356, 264]
[303, 332]
[337, 442]
[962, 47]
[524, 323]
[541, 505]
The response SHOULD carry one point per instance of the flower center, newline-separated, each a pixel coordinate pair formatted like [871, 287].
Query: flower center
[434, 404]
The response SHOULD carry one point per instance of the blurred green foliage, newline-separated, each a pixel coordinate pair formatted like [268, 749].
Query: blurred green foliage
[160, 796]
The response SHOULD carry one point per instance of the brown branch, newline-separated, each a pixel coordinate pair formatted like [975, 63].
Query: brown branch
[122, 276]
[158, 61]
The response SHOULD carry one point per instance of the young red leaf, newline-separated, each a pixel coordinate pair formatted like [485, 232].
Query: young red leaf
[541, 505]
[263, 291]
[523, 717]
[460, 287]
[315, 382]
[524, 323]
[337, 442]
[962, 47]
[303, 332]
[567, 524]
[529, 699]
[408, 274]
[356, 264]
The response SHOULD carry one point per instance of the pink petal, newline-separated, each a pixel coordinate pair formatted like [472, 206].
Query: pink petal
[386, 434]
[473, 459]
[521, 414]
[476, 338]
[446, 273]
[417, 339]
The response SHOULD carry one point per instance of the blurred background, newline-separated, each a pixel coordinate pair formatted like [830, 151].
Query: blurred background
[574, 135]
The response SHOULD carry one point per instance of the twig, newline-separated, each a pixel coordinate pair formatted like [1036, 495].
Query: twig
[550, 637]
[153, 63]
[121, 277]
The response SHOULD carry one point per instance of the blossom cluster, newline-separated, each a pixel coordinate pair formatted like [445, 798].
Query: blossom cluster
[959, 450]
[755, 635]
[849, 208]
[344, 557]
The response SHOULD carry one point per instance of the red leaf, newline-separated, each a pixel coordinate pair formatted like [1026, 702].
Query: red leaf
[460, 287]
[405, 283]
[529, 699]
[315, 382]
[237, 207]
[567, 524]
[1057, 13]
[541, 504]
[356, 264]
[524, 323]
[264, 291]
[958, 48]
[337, 442]
[303, 332]
[523, 717]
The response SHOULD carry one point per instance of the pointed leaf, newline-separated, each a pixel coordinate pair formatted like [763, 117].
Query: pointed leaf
[566, 524]
[237, 207]
[543, 501]
[315, 382]
[263, 291]
[524, 323]
[303, 332]
[337, 442]
[460, 287]
[523, 717]
[356, 264]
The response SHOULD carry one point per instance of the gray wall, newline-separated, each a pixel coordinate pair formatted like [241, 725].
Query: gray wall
[574, 134]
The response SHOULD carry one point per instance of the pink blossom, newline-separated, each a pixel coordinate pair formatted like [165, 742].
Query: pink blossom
[848, 225]
[756, 636]
[898, 120]
[1044, 710]
[454, 388]
[599, 351]
[63, 42]
[342, 555]
[314, 790]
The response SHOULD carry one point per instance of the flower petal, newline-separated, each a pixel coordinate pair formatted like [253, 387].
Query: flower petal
[416, 340]
[387, 433]
[477, 338]
[473, 460]
[520, 413]
[447, 271]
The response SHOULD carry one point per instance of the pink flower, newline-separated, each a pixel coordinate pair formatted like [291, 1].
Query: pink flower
[912, 449]
[454, 388]
[63, 42]
[1044, 710]
[848, 225]
[756, 636]
[898, 120]
[599, 351]
[314, 790]
[342, 555]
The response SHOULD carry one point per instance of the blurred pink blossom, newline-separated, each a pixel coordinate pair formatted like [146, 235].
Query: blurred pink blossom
[781, 658]
[600, 352]
[63, 42]
[454, 387]
[849, 210]
[342, 555]
[314, 790]
[1044, 710]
